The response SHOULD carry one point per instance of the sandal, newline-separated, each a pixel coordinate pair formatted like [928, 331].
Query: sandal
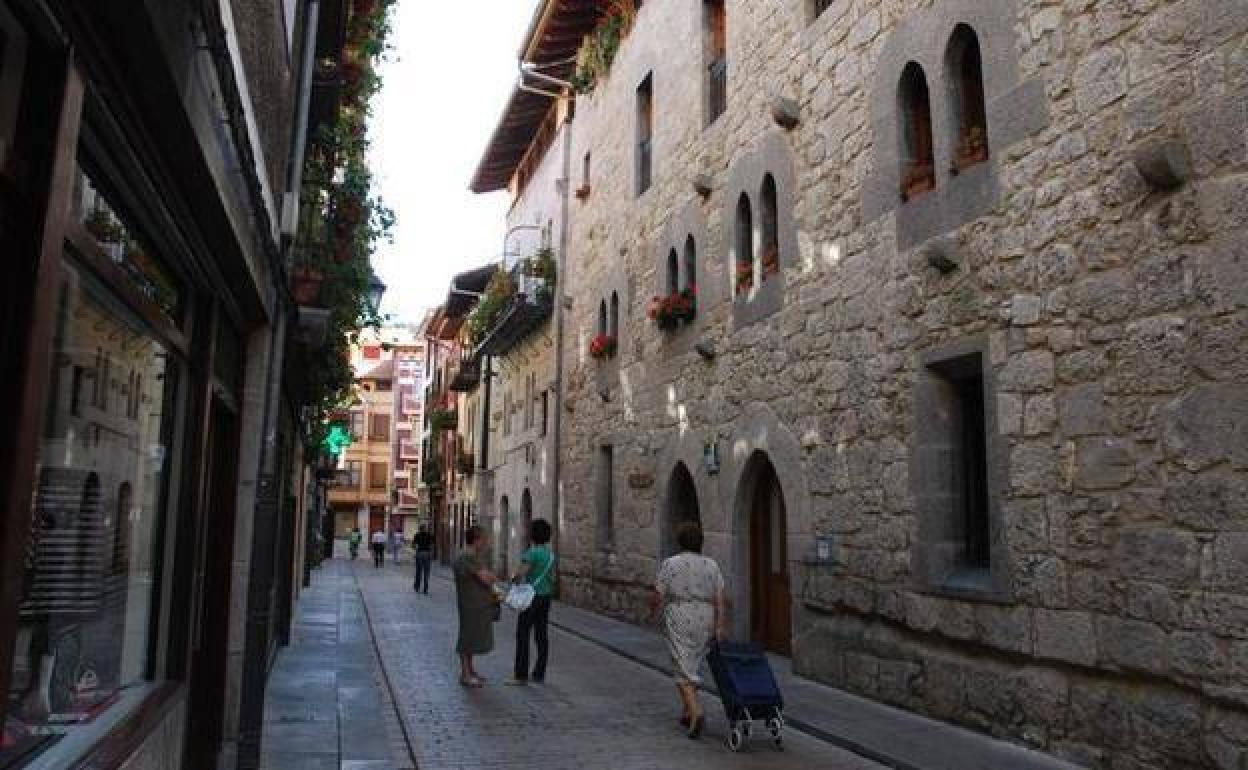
[472, 682]
[695, 729]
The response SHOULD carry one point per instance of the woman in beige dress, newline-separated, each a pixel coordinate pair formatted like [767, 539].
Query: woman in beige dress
[690, 588]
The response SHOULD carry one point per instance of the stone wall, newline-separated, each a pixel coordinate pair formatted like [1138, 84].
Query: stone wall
[522, 459]
[1112, 316]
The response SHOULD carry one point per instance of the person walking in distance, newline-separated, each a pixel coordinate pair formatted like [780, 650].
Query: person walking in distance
[379, 548]
[422, 546]
[353, 542]
[536, 569]
[396, 545]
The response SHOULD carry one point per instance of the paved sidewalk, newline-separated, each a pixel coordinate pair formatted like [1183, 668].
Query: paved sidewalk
[327, 706]
[891, 736]
[596, 710]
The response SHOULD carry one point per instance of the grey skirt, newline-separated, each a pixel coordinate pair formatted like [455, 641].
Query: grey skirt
[476, 631]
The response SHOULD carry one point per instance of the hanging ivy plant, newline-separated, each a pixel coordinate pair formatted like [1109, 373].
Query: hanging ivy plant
[598, 48]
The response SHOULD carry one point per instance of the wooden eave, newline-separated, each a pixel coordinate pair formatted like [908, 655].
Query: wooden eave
[559, 27]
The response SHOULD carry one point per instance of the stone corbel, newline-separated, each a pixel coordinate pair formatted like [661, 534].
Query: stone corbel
[1164, 164]
[942, 253]
[785, 111]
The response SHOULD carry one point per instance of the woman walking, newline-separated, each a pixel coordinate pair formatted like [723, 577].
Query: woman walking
[690, 588]
[536, 565]
[477, 603]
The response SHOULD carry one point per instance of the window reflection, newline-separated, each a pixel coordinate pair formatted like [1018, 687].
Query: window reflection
[87, 601]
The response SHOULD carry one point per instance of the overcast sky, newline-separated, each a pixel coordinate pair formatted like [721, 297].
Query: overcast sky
[444, 88]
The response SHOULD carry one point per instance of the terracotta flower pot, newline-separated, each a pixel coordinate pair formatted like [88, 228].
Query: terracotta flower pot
[305, 285]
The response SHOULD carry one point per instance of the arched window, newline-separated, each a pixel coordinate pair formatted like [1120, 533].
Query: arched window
[673, 272]
[691, 264]
[965, 64]
[770, 229]
[918, 171]
[602, 317]
[745, 245]
[614, 329]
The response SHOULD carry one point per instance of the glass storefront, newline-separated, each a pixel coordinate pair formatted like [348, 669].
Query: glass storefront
[86, 616]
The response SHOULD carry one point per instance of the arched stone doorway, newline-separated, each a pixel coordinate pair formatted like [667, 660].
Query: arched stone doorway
[680, 506]
[766, 551]
[503, 539]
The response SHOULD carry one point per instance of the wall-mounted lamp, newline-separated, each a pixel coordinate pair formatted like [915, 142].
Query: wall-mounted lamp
[710, 457]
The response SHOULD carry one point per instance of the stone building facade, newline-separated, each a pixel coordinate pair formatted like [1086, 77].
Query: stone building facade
[962, 409]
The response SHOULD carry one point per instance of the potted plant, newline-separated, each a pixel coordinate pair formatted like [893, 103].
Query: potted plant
[103, 227]
[745, 277]
[602, 346]
[305, 284]
[771, 262]
[919, 177]
[972, 149]
[674, 309]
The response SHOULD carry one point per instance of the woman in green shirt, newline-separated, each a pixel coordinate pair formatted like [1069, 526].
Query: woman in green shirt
[537, 569]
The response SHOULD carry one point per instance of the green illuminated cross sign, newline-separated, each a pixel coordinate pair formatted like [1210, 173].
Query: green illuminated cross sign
[338, 439]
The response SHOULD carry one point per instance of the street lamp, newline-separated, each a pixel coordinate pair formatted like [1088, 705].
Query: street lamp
[375, 291]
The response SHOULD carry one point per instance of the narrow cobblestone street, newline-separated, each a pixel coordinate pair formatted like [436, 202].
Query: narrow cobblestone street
[597, 709]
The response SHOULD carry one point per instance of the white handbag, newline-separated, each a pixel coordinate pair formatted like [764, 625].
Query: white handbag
[521, 595]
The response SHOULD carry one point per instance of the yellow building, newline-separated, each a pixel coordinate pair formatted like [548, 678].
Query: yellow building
[363, 495]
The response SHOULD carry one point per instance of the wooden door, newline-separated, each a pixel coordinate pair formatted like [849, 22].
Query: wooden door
[208, 663]
[769, 571]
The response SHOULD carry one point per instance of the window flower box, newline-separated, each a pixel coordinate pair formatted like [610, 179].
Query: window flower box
[745, 278]
[603, 346]
[671, 311]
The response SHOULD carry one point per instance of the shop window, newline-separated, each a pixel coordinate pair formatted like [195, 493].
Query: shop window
[769, 221]
[12, 74]
[645, 133]
[966, 64]
[121, 528]
[918, 172]
[87, 592]
[744, 238]
[606, 496]
[717, 59]
[673, 272]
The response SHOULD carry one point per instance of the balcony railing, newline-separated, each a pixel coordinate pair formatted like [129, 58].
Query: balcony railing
[411, 404]
[530, 306]
[466, 375]
[409, 450]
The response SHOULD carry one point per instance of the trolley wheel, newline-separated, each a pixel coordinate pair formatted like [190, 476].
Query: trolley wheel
[735, 739]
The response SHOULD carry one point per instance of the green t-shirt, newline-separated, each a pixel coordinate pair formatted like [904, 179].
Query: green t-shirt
[541, 570]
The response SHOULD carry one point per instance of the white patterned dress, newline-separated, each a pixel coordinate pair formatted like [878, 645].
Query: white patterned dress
[689, 584]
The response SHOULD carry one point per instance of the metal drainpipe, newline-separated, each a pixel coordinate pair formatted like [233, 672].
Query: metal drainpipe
[561, 277]
[294, 179]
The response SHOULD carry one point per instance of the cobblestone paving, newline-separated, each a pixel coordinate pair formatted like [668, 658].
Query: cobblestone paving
[597, 709]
